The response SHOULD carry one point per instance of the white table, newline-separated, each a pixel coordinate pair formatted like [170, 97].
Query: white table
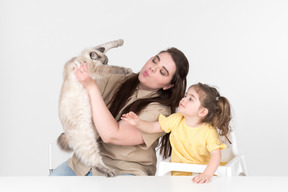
[141, 184]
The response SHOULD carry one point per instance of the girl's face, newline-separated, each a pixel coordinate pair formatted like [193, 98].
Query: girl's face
[157, 73]
[190, 105]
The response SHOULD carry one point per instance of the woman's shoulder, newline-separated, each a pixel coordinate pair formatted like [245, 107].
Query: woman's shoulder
[110, 82]
[111, 79]
[153, 110]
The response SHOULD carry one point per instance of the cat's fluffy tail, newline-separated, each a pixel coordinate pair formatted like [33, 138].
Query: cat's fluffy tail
[63, 142]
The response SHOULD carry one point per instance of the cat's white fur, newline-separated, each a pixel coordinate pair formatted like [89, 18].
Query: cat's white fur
[74, 106]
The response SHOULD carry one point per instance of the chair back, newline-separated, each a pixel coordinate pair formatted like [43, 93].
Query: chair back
[232, 149]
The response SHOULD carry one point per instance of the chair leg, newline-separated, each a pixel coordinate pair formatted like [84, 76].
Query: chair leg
[51, 171]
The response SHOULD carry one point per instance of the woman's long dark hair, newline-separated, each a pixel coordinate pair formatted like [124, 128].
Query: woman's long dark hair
[169, 97]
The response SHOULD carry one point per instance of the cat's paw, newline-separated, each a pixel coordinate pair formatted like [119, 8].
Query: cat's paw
[106, 171]
[128, 71]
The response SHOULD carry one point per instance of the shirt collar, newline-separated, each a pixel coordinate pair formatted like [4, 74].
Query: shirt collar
[140, 93]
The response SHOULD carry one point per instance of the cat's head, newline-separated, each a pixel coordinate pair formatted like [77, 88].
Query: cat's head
[96, 55]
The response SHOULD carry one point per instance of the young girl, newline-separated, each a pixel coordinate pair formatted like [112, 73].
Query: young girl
[194, 138]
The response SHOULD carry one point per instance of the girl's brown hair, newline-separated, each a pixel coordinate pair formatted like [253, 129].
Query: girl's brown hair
[219, 111]
[169, 97]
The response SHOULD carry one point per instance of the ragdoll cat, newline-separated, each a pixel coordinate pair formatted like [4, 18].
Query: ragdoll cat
[74, 107]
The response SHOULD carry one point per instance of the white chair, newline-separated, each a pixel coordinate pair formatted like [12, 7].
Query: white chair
[57, 156]
[236, 165]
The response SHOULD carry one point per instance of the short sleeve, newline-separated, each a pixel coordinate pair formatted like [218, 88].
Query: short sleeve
[151, 113]
[169, 123]
[213, 141]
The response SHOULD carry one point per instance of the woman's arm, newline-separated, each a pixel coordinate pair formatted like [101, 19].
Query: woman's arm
[210, 169]
[144, 126]
[111, 131]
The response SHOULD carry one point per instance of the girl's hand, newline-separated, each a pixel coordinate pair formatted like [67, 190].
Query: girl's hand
[210, 169]
[202, 178]
[83, 76]
[131, 118]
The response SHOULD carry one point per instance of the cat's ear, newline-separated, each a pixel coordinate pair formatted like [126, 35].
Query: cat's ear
[101, 49]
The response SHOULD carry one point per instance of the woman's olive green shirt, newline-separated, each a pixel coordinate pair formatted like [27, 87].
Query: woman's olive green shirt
[139, 160]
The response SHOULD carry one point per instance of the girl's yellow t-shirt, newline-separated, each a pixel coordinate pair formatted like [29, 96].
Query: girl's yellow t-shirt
[190, 144]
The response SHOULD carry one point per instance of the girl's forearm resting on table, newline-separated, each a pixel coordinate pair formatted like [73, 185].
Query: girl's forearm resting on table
[210, 169]
[214, 162]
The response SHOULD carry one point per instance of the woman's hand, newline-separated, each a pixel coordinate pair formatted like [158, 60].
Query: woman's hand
[83, 77]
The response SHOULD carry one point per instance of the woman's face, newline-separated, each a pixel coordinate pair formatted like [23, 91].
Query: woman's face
[157, 73]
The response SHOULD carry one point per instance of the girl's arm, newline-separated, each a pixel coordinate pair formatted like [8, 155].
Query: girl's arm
[212, 166]
[144, 126]
[111, 131]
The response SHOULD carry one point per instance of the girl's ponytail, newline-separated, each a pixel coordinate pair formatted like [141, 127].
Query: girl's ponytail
[222, 116]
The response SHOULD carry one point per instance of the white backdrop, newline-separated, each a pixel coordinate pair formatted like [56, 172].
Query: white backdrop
[240, 46]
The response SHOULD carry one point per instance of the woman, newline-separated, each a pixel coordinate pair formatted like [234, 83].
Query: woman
[156, 89]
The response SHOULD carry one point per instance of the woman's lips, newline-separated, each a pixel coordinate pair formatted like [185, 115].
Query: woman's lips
[146, 73]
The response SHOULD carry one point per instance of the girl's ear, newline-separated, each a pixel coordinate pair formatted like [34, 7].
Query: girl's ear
[168, 86]
[203, 112]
